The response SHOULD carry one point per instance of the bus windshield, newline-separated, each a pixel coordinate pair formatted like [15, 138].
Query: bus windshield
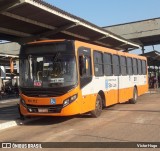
[57, 69]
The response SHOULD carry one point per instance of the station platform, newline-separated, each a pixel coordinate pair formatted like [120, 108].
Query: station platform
[157, 90]
[9, 115]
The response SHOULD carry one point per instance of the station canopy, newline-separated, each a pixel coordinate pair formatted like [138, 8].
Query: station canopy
[28, 20]
[153, 58]
[145, 32]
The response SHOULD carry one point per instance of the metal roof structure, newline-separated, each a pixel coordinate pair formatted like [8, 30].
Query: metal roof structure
[9, 48]
[153, 58]
[5, 59]
[7, 51]
[28, 20]
[145, 32]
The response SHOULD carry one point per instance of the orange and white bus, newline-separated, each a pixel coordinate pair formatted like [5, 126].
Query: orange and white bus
[68, 77]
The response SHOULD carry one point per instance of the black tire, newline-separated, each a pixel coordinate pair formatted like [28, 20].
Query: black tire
[98, 107]
[22, 117]
[135, 97]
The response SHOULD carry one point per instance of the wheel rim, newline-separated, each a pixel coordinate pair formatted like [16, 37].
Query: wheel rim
[135, 95]
[98, 106]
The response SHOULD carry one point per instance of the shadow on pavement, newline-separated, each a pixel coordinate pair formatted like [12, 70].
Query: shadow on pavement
[8, 110]
[46, 120]
[134, 110]
[49, 120]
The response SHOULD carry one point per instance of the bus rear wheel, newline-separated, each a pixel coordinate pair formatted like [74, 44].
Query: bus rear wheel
[98, 107]
[135, 96]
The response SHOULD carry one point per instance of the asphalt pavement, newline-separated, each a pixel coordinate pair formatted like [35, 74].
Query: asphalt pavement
[8, 109]
[125, 122]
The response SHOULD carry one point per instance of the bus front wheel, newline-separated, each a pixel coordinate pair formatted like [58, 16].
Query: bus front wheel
[135, 96]
[98, 107]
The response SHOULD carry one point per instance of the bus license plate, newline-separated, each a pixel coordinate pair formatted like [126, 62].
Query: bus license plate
[42, 110]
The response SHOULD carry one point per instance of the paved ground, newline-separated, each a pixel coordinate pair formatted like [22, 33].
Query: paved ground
[8, 109]
[122, 122]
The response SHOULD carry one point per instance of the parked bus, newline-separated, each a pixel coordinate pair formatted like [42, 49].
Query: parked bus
[68, 77]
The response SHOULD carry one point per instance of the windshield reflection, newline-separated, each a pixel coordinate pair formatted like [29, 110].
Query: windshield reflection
[49, 71]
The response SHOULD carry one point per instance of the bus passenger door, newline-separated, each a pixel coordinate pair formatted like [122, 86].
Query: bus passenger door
[85, 76]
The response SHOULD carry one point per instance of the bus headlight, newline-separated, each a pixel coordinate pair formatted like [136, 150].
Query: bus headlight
[70, 100]
[66, 102]
[23, 103]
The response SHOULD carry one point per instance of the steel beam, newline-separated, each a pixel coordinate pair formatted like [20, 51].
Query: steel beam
[28, 20]
[127, 50]
[42, 35]
[57, 30]
[13, 32]
[103, 44]
[99, 38]
[8, 6]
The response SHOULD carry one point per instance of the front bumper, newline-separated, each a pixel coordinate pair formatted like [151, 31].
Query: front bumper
[48, 110]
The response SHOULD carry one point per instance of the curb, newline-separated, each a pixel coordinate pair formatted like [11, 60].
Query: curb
[16, 123]
[8, 125]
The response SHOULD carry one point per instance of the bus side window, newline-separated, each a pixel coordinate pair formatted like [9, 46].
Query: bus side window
[116, 65]
[144, 67]
[98, 63]
[135, 67]
[129, 66]
[108, 65]
[123, 65]
[139, 67]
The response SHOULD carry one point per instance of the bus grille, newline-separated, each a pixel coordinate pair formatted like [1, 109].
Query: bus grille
[45, 93]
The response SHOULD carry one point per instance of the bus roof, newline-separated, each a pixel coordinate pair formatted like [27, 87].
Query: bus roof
[96, 47]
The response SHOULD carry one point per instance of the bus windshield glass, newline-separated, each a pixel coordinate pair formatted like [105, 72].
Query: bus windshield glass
[47, 68]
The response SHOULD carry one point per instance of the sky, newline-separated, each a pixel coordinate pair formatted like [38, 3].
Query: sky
[111, 12]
